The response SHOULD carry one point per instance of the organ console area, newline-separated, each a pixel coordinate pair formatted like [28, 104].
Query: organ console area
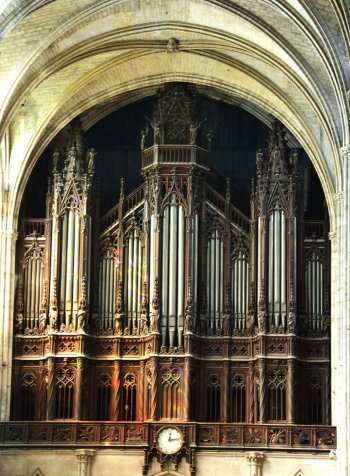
[175, 305]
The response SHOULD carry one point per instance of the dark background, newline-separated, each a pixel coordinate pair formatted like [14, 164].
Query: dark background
[236, 137]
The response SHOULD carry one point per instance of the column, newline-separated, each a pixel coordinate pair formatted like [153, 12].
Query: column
[115, 400]
[78, 390]
[50, 402]
[7, 283]
[85, 458]
[290, 392]
[262, 396]
[187, 389]
[255, 461]
[340, 345]
[154, 391]
[225, 398]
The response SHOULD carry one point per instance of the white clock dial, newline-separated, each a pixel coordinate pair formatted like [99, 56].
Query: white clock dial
[169, 440]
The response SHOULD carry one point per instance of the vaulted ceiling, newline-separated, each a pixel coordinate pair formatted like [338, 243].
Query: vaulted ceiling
[276, 58]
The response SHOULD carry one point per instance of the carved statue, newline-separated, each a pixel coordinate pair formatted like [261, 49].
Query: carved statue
[172, 45]
[81, 318]
[42, 322]
[291, 322]
[143, 139]
[71, 159]
[226, 325]
[19, 322]
[118, 325]
[156, 130]
[91, 160]
[53, 317]
[194, 126]
[259, 160]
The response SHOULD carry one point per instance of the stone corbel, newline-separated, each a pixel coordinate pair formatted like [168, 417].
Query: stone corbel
[84, 458]
[255, 463]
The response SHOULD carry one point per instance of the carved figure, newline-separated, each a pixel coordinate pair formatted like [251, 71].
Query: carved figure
[81, 317]
[226, 324]
[91, 160]
[42, 322]
[259, 160]
[117, 325]
[156, 130]
[19, 322]
[172, 46]
[53, 317]
[291, 322]
[143, 139]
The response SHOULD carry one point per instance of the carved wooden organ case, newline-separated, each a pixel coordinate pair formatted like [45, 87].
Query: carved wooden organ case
[174, 305]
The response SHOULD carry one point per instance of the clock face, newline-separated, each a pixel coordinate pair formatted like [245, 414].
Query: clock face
[169, 440]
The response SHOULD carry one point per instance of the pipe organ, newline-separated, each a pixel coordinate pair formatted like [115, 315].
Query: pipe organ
[174, 305]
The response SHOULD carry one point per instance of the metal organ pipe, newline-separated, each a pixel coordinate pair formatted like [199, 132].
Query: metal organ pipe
[283, 269]
[63, 261]
[173, 267]
[165, 274]
[181, 273]
[76, 263]
[69, 281]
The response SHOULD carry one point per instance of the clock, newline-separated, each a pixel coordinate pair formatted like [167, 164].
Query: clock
[169, 440]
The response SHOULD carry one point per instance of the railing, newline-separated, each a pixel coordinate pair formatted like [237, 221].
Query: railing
[174, 154]
[236, 216]
[109, 218]
[34, 225]
[202, 435]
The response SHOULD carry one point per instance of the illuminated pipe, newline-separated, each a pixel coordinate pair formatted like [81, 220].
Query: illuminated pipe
[271, 276]
[221, 295]
[109, 288]
[63, 262]
[181, 273]
[208, 281]
[32, 292]
[37, 289]
[195, 268]
[100, 288]
[259, 257]
[69, 283]
[212, 280]
[165, 273]
[129, 279]
[314, 291]
[173, 268]
[217, 279]
[139, 278]
[276, 263]
[135, 263]
[151, 259]
[76, 263]
[283, 270]
[321, 295]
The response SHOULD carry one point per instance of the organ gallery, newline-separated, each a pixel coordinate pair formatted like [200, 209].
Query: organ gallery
[174, 307]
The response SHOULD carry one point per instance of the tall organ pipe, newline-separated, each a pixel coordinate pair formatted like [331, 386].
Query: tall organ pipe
[69, 282]
[181, 273]
[63, 261]
[76, 262]
[165, 274]
[173, 267]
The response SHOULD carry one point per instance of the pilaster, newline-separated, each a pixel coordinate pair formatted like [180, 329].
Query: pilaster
[85, 458]
[255, 461]
[341, 317]
[7, 284]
